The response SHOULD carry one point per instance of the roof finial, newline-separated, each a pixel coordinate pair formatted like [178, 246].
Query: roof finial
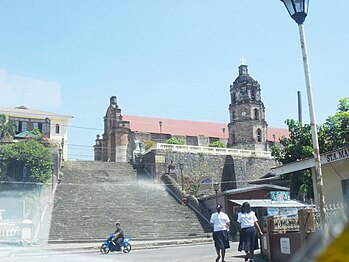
[242, 61]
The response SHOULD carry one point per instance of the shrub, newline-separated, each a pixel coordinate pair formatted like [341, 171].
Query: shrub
[219, 144]
[174, 141]
[29, 159]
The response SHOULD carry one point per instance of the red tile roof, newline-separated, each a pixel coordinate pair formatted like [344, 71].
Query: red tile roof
[176, 126]
[278, 132]
[189, 128]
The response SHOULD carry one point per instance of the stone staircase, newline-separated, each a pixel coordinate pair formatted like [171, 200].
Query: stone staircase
[95, 195]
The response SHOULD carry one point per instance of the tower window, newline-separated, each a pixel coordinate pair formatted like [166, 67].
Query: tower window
[58, 128]
[253, 95]
[256, 114]
[259, 135]
[233, 138]
[233, 115]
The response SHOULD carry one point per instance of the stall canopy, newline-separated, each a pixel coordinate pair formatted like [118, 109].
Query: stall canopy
[269, 203]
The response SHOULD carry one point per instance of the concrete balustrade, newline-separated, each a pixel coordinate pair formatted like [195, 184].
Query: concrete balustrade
[210, 150]
[8, 230]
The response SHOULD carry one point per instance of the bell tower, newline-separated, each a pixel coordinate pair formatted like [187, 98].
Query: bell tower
[247, 127]
[113, 147]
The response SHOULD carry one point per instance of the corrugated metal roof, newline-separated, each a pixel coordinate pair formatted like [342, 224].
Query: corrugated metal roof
[268, 203]
[26, 134]
[255, 187]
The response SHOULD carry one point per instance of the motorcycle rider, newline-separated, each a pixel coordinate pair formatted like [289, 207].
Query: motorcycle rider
[119, 237]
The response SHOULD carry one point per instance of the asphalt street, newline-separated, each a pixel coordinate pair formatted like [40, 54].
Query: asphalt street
[196, 253]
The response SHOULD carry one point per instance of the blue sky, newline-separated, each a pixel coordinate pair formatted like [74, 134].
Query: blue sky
[166, 58]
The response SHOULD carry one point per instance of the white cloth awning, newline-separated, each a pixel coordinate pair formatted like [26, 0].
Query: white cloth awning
[269, 203]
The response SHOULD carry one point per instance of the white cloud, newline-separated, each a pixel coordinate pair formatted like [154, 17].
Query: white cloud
[33, 93]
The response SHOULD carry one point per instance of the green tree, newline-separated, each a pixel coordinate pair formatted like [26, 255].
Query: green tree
[296, 147]
[334, 133]
[7, 128]
[27, 161]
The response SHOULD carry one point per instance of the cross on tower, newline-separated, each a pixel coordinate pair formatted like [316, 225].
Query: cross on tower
[243, 61]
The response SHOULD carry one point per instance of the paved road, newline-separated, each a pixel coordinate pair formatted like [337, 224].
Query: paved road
[197, 253]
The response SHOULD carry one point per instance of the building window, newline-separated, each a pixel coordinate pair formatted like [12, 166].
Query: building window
[58, 129]
[213, 139]
[256, 114]
[233, 115]
[40, 127]
[259, 135]
[192, 140]
[24, 126]
[19, 126]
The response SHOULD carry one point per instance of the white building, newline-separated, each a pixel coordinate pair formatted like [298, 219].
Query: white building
[53, 126]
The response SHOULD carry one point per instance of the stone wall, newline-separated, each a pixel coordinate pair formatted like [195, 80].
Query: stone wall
[251, 168]
[230, 172]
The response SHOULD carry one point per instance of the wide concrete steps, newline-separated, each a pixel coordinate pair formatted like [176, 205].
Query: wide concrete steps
[91, 199]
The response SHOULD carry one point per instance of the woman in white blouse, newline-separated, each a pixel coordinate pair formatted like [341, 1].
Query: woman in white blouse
[248, 224]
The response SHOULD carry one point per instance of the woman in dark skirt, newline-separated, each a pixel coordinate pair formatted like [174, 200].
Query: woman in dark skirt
[248, 235]
[221, 222]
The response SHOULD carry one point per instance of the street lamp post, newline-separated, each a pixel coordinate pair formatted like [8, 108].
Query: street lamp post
[62, 146]
[298, 10]
[53, 167]
[160, 126]
[181, 168]
[216, 188]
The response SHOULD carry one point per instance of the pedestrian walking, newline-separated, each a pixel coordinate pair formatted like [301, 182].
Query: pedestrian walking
[248, 234]
[221, 223]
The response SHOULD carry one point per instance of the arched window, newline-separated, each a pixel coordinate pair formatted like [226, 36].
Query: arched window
[233, 115]
[253, 95]
[259, 135]
[256, 114]
[233, 138]
[58, 128]
[233, 97]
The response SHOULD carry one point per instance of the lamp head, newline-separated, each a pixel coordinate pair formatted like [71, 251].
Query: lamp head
[216, 186]
[298, 9]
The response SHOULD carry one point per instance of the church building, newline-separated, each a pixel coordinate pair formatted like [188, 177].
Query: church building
[247, 129]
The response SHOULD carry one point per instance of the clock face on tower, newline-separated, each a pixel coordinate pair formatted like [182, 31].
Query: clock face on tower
[243, 113]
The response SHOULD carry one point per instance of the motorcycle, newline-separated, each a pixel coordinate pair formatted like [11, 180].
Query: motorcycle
[109, 246]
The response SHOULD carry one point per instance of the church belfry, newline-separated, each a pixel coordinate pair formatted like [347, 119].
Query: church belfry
[113, 146]
[247, 127]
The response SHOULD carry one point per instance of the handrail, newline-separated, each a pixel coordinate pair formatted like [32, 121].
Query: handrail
[180, 200]
[188, 204]
[210, 150]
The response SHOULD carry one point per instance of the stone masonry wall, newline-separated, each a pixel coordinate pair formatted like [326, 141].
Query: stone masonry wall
[251, 168]
[230, 172]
